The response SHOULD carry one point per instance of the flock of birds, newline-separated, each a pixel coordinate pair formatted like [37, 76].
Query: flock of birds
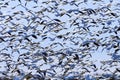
[56, 39]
